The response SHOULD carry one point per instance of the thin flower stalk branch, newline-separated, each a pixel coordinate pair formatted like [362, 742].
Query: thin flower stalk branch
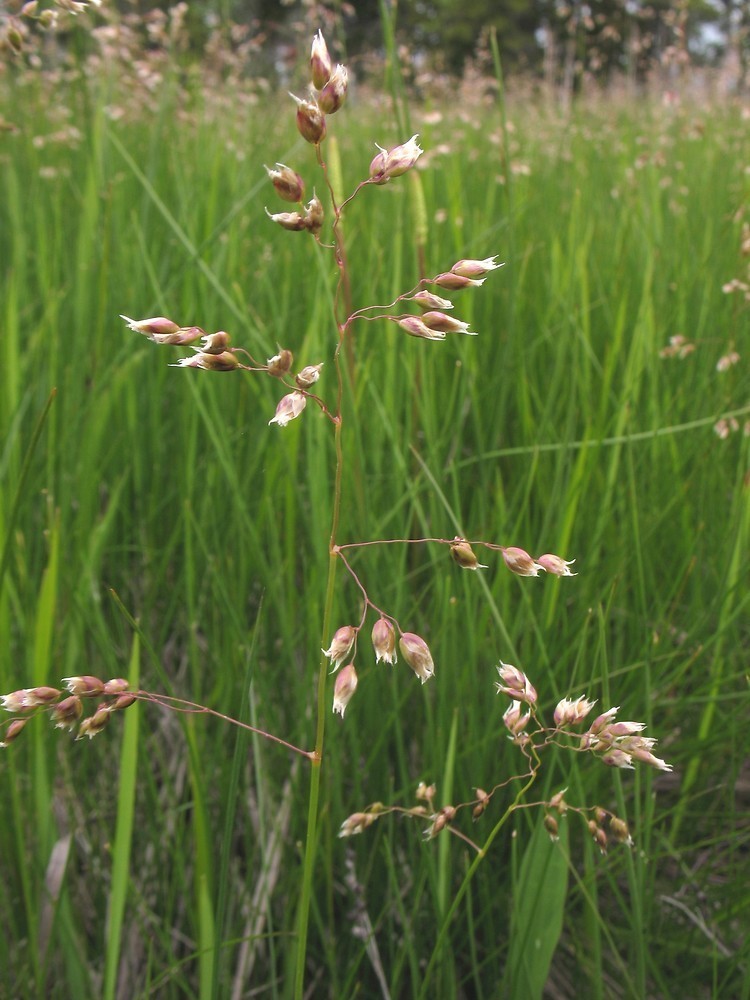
[182, 705]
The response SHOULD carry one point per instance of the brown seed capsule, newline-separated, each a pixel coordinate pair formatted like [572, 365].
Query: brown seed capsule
[619, 830]
[308, 376]
[93, 724]
[295, 222]
[314, 215]
[287, 182]
[216, 343]
[484, 801]
[226, 361]
[311, 122]
[280, 363]
[333, 94]
[122, 702]
[66, 713]
[599, 836]
[463, 555]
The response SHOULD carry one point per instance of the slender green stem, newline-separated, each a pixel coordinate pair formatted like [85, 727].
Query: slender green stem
[317, 759]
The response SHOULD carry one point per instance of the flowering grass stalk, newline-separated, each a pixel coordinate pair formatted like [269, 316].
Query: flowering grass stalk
[617, 744]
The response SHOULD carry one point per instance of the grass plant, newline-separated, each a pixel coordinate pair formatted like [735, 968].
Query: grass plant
[152, 525]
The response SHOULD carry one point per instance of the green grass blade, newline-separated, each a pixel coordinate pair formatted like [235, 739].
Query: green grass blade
[121, 852]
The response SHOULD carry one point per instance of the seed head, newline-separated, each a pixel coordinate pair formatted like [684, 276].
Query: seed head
[394, 162]
[287, 183]
[519, 561]
[117, 685]
[289, 407]
[603, 720]
[122, 701]
[155, 325]
[356, 823]
[426, 300]
[600, 837]
[341, 645]
[558, 802]
[482, 803]
[447, 324]
[311, 121]
[66, 713]
[440, 820]
[640, 750]
[417, 654]
[293, 221]
[569, 713]
[308, 376]
[463, 555]
[384, 641]
[161, 330]
[280, 363]
[513, 720]
[555, 565]
[321, 63]
[333, 94]
[344, 688]
[415, 327]
[93, 724]
[84, 686]
[617, 758]
[426, 792]
[726, 361]
[314, 215]
[619, 830]
[216, 343]
[28, 698]
[515, 684]
[475, 268]
[550, 825]
[12, 731]
[226, 361]
[453, 282]
[617, 729]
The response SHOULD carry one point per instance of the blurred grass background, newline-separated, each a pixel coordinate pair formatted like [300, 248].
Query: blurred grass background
[163, 858]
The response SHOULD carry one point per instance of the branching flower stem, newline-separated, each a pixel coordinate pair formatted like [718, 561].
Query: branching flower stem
[473, 867]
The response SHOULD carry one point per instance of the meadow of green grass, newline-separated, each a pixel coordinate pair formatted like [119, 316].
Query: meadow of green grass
[163, 858]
